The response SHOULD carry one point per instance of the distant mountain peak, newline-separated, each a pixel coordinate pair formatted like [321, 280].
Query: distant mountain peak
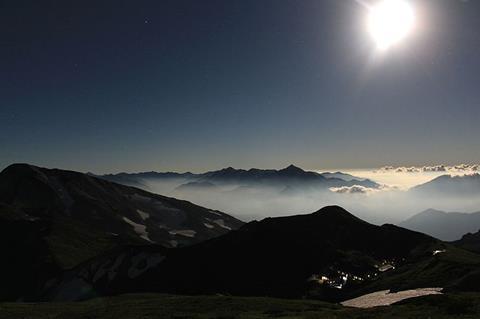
[433, 211]
[446, 226]
[448, 185]
[293, 168]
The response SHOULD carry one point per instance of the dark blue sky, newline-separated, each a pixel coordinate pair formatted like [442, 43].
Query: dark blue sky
[110, 86]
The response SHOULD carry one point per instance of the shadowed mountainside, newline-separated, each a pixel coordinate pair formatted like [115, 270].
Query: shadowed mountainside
[273, 257]
[470, 241]
[53, 219]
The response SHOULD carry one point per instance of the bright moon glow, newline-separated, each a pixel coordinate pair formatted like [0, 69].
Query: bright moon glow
[390, 21]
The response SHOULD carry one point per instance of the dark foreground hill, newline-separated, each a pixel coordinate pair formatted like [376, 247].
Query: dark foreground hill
[53, 219]
[328, 255]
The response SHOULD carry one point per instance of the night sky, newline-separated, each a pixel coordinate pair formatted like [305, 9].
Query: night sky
[109, 86]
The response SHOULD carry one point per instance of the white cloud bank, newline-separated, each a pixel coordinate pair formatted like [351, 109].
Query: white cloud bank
[405, 177]
[355, 189]
[358, 189]
[455, 169]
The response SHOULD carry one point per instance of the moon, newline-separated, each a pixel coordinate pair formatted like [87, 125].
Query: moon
[390, 22]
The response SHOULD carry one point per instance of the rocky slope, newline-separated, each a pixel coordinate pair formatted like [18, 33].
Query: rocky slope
[53, 219]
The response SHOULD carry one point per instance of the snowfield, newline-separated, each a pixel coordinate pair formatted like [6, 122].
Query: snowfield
[385, 298]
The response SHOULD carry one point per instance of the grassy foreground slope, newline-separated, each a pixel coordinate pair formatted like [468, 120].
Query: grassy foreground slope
[222, 307]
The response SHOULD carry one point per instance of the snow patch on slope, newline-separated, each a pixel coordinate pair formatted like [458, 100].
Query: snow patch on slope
[141, 230]
[214, 212]
[143, 215]
[221, 223]
[186, 232]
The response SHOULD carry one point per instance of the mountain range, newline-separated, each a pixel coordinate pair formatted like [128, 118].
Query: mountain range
[71, 236]
[290, 178]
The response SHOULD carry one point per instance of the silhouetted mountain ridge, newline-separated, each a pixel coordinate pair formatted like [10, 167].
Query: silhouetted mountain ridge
[291, 177]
